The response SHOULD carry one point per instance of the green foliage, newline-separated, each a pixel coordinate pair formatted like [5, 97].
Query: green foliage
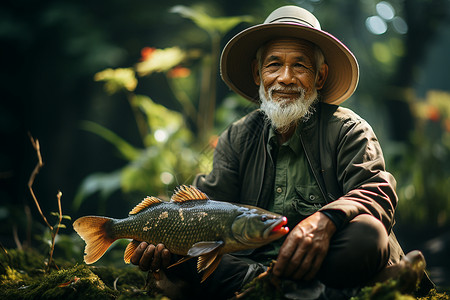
[388, 291]
[209, 24]
[162, 60]
[22, 277]
[435, 295]
[382, 291]
[423, 172]
[118, 79]
[127, 151]
[172, 152]
[266, 287]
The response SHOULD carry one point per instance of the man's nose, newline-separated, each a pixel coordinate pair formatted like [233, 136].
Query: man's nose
[286, 76]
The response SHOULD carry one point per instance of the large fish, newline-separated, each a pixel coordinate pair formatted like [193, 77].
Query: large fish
[190, 224]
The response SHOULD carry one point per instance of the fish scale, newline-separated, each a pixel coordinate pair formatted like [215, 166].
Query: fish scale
[186, 224]
[190, 224]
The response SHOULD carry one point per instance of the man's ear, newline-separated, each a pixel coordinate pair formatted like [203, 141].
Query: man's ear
[256, 75]
[321, 76]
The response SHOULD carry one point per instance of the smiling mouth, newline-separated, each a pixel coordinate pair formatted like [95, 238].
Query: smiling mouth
[286, 93]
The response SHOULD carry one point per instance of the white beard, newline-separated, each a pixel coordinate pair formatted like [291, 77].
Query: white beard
[281, 114]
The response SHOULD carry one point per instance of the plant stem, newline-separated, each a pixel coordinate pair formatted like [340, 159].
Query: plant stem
[39, 165]
[54, 234]
[140, 120]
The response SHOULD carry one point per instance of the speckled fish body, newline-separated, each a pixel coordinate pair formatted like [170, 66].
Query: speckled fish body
[180, 225]
[190, 224]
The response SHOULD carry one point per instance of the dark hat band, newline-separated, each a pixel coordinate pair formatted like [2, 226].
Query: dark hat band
[291, 20]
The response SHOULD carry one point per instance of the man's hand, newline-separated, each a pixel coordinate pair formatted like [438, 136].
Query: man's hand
[305, 248]
[151, 257]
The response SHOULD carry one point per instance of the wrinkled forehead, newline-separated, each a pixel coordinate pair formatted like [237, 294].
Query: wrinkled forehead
[288, 45]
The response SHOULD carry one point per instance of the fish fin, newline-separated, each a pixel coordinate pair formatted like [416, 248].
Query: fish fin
[182, 260]
[202, 248]
[206, 260]
[212, 266]
[185, 193]
[148, 201]
[129, 250]
[94, 232]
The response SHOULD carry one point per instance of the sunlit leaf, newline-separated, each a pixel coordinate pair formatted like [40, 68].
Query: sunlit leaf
[204, 21]
[161, 60]
[440, 100]
[128, 151]
[117, 79]
[160, 119]
[141, 174]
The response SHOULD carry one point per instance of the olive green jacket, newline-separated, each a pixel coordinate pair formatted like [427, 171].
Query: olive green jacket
[340, 147]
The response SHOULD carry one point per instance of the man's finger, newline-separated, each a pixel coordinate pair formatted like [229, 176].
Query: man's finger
[147, 257]
[301, 259]
[156, 263]
[165, 258]
[284, 256]
[317, 264]
[137, 254]
[305, 266]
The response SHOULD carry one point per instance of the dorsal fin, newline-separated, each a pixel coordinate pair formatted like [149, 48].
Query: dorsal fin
[148, 201]
[186, 193]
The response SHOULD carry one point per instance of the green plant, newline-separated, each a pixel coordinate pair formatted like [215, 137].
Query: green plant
[422, 167]
[173, 152]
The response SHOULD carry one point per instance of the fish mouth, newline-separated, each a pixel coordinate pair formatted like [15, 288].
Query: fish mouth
[277, 229]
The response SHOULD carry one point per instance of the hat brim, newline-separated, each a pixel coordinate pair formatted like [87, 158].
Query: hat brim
[240, 51]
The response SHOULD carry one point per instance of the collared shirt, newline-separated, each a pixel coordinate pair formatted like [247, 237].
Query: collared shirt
[297, 194]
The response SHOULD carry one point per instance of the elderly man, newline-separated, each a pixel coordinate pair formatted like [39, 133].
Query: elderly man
[300, 155]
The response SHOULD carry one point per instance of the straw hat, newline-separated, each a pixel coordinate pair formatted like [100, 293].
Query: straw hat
[293, 22]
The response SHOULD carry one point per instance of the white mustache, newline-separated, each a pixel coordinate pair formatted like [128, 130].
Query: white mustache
[279, 88]
[282, 116]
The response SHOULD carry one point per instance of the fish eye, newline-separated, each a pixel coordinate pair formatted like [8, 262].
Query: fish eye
[263, 218]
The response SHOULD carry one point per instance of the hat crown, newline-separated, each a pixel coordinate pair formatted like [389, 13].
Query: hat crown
[293, 14]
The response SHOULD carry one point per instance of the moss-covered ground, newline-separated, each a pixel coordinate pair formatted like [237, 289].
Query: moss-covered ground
[24, 275]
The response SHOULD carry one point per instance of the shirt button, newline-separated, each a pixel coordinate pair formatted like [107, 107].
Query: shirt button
[279, 189]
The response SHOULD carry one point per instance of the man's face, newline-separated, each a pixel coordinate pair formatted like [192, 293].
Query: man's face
[286, 66]
[288, 79]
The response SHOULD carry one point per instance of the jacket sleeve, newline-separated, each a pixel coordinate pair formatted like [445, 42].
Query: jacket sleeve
[360, 171]
[223, 181]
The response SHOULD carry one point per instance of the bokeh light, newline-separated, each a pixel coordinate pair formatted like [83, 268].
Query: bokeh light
[376, 25]
[385, 10]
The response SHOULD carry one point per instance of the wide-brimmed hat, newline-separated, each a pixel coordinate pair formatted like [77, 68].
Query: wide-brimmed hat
[293, 22]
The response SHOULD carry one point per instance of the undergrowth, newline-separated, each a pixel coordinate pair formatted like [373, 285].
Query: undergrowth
[23, 275]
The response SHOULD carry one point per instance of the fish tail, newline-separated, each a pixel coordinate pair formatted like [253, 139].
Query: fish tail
[94, 231]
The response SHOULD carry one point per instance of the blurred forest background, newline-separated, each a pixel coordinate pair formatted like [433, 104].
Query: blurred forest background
[126, 101]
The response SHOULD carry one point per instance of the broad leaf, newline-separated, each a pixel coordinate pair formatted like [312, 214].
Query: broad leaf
[104, 183]
[161, 60]
[204, 21]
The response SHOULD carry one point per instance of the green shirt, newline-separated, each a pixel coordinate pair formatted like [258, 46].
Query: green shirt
[297, 194]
